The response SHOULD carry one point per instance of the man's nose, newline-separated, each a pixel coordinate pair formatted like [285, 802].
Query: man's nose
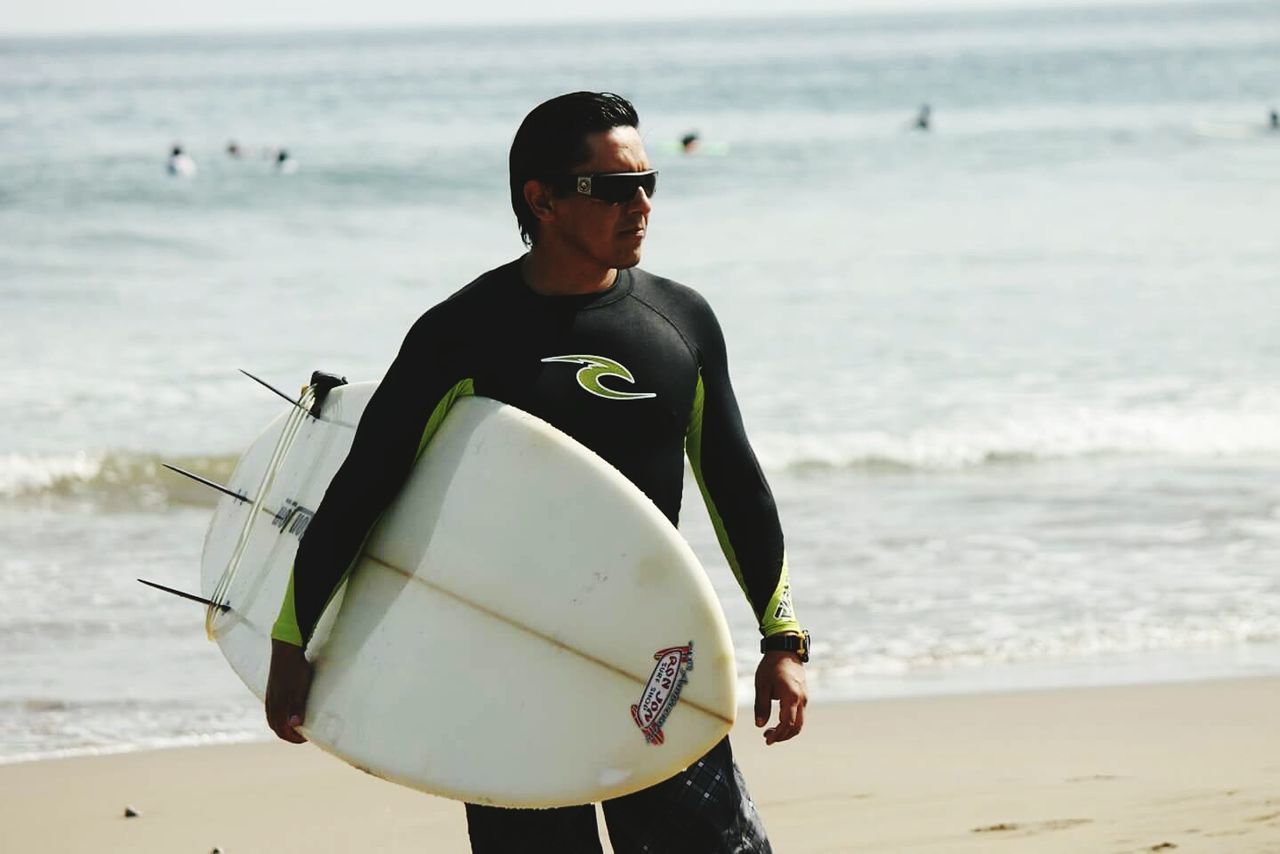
[641, 202]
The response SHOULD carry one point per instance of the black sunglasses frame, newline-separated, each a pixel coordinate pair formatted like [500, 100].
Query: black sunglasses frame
[615, 188]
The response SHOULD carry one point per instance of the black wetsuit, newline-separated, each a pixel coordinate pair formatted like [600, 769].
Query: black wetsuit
[638, 373]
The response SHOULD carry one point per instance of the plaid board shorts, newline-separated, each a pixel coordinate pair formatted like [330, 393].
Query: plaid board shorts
[705, 809]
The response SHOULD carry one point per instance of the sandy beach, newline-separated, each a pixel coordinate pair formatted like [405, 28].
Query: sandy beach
[1186, 767]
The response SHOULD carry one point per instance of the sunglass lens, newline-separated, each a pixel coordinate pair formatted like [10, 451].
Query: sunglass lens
[649, 183]
[622, 188]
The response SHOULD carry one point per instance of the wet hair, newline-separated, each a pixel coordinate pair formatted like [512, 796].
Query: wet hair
[552, 140]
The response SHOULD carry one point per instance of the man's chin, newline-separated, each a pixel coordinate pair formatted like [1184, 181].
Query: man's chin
[627, 260]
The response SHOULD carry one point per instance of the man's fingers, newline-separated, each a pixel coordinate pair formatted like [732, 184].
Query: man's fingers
[277, 721]
[291, 731]
[790, 720]
[283, 724]
[790, 715]
[764, 698]
[288, 684]
[283, 718]
[786, 727]
[787, 712]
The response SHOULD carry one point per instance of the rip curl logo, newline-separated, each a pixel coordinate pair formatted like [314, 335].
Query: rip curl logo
[596, 368]
[662, 691]
[784, 611]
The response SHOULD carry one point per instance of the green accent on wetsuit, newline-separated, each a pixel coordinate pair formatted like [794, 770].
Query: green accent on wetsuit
[779, 614]
[693, 447]
[286, 625]
[463, 388]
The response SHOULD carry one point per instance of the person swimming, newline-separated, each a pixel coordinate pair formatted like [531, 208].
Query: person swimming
[923, 117]
[284, 163]
[689, 142]
[180, 164]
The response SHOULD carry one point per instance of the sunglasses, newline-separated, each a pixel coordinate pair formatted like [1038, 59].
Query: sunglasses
[613, 187]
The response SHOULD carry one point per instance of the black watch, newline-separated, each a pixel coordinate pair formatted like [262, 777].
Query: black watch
[799, 644]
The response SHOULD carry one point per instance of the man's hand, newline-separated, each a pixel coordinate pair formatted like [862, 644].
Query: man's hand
[780, 677]
[287, 687]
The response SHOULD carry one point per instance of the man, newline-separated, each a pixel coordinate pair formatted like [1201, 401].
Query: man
[180, 164]
[580, 187]
[923, 117]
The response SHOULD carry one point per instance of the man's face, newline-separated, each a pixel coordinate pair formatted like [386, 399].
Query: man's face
[607, 234]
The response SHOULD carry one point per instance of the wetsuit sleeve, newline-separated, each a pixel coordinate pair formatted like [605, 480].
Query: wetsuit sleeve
[408, 404]
[734, 488]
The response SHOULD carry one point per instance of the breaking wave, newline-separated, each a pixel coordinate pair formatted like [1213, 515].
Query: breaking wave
[111, 481]
[128, 480]
[1075, 434]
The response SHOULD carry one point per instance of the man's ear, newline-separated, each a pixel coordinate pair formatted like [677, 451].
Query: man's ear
[540, 199]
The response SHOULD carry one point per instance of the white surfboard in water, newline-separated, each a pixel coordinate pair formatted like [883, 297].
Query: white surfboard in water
[523, 627]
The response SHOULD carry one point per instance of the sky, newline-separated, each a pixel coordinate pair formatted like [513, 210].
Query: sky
[123, 16]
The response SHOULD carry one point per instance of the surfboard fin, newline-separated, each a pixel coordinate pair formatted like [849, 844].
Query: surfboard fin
[268, 385]
[204, 480]
[194, 598]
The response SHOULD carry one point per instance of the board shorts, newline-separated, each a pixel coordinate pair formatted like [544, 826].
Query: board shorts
[705, 809]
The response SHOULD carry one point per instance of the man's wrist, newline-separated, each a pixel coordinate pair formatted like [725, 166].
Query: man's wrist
[795, 642]
[284, 647]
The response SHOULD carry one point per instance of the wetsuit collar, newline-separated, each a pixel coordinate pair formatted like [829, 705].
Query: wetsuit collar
[620, 288]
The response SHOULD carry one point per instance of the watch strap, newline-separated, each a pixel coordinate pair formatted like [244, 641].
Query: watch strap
[787, 642]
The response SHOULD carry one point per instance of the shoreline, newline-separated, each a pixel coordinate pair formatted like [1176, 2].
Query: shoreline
[1131, 670]
[998, 680]
[1190, 764]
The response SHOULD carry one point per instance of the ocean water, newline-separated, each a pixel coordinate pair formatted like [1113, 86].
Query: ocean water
[1015, 381]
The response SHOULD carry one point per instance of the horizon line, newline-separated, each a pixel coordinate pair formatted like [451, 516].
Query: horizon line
[869, 8]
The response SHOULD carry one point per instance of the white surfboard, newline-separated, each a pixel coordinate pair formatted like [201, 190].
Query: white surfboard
[523, 628]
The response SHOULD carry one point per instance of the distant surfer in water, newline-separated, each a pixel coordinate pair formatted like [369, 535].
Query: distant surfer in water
[581, 189]
[284, 163]
[1274, 120]
[180, 164]
[689, 143]
[923, 118]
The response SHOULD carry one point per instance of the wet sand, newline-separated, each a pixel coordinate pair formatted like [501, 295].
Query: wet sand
[1183, 767]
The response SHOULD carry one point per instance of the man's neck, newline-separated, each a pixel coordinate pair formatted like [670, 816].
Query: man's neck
[553, 273]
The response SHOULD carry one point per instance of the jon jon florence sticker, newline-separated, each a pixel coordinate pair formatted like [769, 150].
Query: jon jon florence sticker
[662, 691]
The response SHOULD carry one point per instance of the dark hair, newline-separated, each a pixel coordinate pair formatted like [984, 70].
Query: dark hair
[552, 140]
